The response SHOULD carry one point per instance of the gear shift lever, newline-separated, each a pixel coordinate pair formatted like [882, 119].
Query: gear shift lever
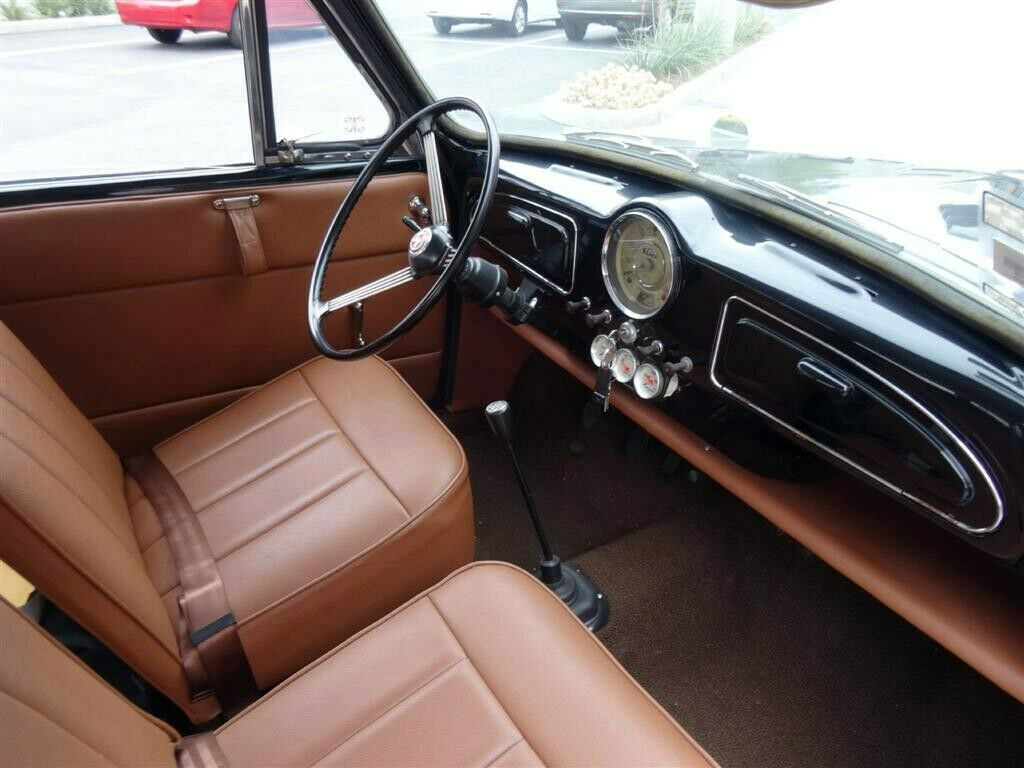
[499, 416]
[570, 583]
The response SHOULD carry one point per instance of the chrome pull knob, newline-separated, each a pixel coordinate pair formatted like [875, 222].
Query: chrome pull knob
[684, 365]
[654, 348]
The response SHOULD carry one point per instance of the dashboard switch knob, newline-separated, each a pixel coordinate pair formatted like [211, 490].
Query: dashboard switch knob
[572, 307]
[684, 365]
[601, 318]
[654, 348]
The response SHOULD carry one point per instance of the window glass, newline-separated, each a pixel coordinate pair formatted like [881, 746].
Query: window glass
[159, 85]
[897, 121]
[130, 90]
[319, 93]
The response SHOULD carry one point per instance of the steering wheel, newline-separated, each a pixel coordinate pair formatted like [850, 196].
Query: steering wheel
[430, 249]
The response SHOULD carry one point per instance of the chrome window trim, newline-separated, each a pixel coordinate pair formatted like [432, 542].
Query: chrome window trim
[675, 263]
[965, 449]
[529, 270]
[254, 82]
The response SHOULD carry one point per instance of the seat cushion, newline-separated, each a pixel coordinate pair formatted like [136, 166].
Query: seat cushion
[488, 668]
[328, 497]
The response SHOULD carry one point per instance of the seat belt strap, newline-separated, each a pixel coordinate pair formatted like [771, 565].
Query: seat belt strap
[211, 651]
[200, 751]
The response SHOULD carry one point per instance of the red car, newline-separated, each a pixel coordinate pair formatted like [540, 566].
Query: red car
[165, 19]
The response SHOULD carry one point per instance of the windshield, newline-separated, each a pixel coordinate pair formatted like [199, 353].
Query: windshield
[900, 118]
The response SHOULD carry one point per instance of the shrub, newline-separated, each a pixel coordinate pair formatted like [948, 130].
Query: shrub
[12, 11]
[678, 50]
[751, 26]
[55, 8]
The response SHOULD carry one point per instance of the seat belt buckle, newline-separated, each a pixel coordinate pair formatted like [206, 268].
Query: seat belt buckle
[214, 627]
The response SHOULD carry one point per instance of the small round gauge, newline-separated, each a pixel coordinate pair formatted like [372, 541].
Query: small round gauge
[649, 381]
[640, 265]
[600, 348]
[624, 366]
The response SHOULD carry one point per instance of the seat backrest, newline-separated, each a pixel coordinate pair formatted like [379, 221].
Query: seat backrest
[56, 711]
[65, 524]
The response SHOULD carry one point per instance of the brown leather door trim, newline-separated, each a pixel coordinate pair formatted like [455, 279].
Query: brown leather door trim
[139, 310]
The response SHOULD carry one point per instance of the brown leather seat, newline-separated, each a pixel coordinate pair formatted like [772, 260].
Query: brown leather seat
[328, 497]
[488, 668]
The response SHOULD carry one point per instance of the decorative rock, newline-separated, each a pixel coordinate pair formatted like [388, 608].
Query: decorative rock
[614, 87]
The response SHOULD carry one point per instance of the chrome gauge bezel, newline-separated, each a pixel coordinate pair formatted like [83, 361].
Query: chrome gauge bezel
[616, 372]
[674, 263]
[601, 338]
[645, 394]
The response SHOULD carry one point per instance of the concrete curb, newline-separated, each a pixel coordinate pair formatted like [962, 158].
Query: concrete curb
[650, 115]
[53, 25]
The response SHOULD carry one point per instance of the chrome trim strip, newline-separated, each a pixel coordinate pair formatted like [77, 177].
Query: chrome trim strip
[253, 82]
[964, 448]
[675, 262]
[529, 270]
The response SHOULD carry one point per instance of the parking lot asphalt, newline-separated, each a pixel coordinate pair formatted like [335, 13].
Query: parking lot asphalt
[112, 100]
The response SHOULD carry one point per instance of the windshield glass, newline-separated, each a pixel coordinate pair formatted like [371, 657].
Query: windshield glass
[902, 119]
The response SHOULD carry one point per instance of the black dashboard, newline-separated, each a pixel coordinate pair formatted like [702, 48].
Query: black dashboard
[722, 319]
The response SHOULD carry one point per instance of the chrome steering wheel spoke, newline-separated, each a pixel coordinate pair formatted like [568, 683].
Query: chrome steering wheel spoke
[431, 250]
[378, 286]
[438, 210]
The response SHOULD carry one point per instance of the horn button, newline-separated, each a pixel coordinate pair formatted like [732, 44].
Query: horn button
[428, 249]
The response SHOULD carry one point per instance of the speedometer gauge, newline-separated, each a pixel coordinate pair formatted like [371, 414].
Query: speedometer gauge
[640, 264]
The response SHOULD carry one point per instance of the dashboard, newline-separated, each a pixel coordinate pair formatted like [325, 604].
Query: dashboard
[732, 325]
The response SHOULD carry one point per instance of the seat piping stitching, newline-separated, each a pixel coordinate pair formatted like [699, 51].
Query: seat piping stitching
[281, 462]
[62, 446]
[100, 587]
[512, 746]
[483, 679]
[406, 697]
[238, 438]
[135, 555]
[63, 727]
[336, 487]
[355, 447]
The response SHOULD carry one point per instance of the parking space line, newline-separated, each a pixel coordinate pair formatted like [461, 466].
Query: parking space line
[76, 47]
[490, 49]
[219, 57]
[536, 43]
[617, 51]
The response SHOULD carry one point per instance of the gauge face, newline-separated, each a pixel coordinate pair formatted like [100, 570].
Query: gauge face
[640, 265]
[648, 381]
[600, 348]
[624, 366]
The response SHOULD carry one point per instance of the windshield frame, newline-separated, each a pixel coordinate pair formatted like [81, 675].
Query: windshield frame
[963, 306]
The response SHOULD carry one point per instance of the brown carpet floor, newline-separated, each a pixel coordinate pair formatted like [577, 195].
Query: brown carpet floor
[765, 654]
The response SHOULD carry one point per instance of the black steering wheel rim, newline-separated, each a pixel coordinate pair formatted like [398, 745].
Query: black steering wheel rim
[423, 122]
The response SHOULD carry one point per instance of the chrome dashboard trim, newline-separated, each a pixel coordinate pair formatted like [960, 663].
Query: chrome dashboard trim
[529, 270]
[675, 262]
[965, 449]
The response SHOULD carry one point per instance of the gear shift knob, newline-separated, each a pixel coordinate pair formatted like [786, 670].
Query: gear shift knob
[499, 417]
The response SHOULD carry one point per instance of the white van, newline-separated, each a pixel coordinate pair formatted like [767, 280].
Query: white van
[509, 15]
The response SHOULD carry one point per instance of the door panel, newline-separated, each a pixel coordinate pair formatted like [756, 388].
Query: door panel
[139, 310]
